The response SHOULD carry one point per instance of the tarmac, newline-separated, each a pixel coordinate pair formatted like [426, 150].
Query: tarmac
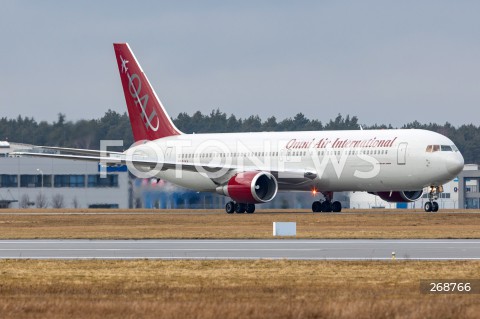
[301, 249]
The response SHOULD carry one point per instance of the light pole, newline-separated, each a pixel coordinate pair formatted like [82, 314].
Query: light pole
[41, 172]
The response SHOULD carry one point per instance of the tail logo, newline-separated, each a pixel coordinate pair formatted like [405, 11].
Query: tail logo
[124, 64]
[135, 88]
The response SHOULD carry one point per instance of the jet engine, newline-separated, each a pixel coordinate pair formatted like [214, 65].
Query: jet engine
[250, 187]
[400, 197]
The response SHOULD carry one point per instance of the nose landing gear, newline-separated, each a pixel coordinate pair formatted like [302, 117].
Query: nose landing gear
[432, 205]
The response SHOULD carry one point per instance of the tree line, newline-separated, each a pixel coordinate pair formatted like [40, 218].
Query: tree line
[116, 126]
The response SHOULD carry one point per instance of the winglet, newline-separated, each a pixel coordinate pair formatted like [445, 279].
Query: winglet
[148, 117]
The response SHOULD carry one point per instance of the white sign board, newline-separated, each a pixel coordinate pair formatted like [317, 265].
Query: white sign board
[284, 229]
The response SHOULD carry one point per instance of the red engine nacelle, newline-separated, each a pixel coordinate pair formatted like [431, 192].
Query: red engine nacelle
[250, 187]
[400, 197]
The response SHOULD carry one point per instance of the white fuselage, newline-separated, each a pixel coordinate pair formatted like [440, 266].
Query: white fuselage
[363, 160]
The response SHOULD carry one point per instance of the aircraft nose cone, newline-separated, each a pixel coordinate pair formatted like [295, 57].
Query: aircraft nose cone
[455, 164]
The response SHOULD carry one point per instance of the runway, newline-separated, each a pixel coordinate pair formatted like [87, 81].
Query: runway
[417, 249]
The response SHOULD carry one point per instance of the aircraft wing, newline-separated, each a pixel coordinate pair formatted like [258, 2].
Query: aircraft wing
[78, 151]
[115, 158]
[220, 174]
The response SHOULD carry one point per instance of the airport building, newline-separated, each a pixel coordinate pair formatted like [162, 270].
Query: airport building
[45, 182]
[463, 192]
[449, 199]
[468, 189]
[152, 193]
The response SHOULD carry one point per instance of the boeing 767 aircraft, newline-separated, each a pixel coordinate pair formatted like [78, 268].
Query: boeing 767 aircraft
[250, 168]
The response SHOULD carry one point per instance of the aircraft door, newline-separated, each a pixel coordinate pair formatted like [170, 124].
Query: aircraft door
[169, 155]
[402, 154]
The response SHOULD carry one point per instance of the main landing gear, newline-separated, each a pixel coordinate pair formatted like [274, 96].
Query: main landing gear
[432, 205]
[327, 205]
[239, 208]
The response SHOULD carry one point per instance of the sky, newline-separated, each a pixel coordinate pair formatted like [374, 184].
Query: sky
[386, 62]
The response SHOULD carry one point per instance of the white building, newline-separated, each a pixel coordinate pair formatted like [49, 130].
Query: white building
[447, 200]
[35, 182]
[469, 191]
[45, 182]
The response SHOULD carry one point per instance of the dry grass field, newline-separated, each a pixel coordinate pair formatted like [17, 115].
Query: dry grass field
[230, 289]
[128, 224]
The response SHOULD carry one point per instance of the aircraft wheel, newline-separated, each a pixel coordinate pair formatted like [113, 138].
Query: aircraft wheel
[336, 206]
[428, 207]
[250, 209]
[435, 207]
[240, 208]
[316, 206]
[326, 206]
[230, 207]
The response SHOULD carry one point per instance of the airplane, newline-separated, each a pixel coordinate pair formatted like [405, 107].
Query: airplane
[250, 168]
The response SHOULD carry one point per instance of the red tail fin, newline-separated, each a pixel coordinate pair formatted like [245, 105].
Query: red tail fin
[148, 118]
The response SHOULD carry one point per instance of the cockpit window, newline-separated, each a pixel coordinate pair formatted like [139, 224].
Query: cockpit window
[443, 148]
